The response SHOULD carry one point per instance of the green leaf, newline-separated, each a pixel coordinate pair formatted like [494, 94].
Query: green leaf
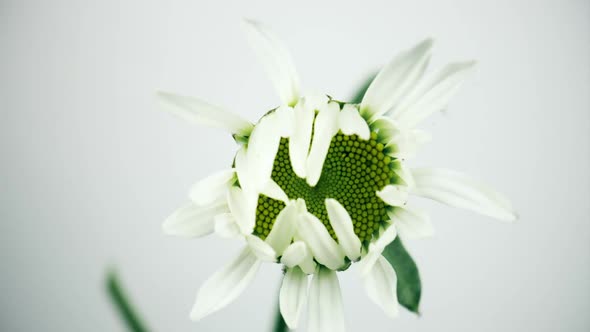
[358, 96]
[122, 304]
[409, 287]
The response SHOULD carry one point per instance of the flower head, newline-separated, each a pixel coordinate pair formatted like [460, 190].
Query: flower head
[317, 184]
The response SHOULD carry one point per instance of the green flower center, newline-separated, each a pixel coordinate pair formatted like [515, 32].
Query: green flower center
[354, 170]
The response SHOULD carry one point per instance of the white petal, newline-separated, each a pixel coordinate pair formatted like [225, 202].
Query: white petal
[404, 174]
[285, 120]
[261, 249]
[394, 195]
[243, 169]
[365, 265]
[292, 296]
[421, 137]
[273, 190]
[376, 248]
[387, 128]
[381, 287]
[325, 127]
[457, 190]
[276, 60]
[406, 143]
[386, 235]
[435, 94]
[200, 112]
[283, 230]
[326, 312]
[402, 145]
[225, 285]
[226, 226]
[294, 254]
[411, 223]
[343, 227]
[300, 140]
[262, 150]
[352, 123]
[213, 187]
[395, 80]
[243, 208]
[192, 220]
[308, 265]
[323, 247]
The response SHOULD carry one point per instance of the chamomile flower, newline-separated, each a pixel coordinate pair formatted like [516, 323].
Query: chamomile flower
[317, 185]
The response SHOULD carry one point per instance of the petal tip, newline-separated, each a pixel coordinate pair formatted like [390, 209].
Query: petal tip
[197, 313]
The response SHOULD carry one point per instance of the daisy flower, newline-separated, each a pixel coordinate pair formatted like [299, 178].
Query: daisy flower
[317, 185]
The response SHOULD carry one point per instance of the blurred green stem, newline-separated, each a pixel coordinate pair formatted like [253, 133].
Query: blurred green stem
[121, 303]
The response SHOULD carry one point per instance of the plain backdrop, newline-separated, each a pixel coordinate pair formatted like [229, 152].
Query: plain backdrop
[90, 168]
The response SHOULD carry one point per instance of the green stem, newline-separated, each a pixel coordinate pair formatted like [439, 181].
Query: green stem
[122, 304]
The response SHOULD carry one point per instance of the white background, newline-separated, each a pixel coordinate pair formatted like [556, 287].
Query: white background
[90, 168]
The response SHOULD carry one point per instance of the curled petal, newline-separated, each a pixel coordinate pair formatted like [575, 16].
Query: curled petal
[406, 143]
[325, 303]
[273, 190]
[411, 223]
[225, 285]
[343, 227]
[457, 190]
[192, 220]
[294, 254]
[243, 169]
[352, 123]
[325, 127]
[394, 195]
[404, 174]
[213, 187]
[387, 128]
[283, 230]
[285, 120]
[243, 208]
[226, 226]
[386, 236]
[275, 58]
[200, 112]
[381, 286]
[325, 250]
[262, 150]
[308, 265]
[292, 296]
[434, 95]
[261, 249]
[395, 80]
[300, 139]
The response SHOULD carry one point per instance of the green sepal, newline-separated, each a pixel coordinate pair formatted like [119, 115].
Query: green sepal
[409, 286]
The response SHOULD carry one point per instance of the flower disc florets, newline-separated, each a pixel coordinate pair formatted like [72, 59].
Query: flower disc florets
[354, 171]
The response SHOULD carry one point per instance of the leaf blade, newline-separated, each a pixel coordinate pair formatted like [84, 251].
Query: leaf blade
[409, 286]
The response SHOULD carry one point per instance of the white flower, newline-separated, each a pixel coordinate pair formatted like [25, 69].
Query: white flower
[318, 184]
